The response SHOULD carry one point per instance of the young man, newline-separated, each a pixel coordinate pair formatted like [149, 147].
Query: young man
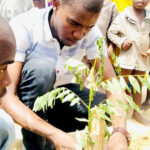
[45, 38]
[19, 112]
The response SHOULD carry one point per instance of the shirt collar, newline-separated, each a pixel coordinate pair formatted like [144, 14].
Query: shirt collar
[47, 31]
[132, 18]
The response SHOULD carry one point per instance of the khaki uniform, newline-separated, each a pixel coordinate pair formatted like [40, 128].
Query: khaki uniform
[107, 15]
[125, 26]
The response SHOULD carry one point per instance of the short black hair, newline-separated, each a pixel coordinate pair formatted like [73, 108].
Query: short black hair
[90, 5]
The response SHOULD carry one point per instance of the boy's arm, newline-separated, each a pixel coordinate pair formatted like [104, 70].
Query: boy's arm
[115, 32]
[28, 119]
[109, 73]
[117, 140]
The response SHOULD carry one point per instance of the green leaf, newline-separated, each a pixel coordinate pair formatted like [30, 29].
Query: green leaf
[123, 105]
[69, 97]
[102, 114]
[107, 134]
[81, 137]
[147, 82]
[110, 86]
[124, 85]
[106, 87]
[141, 79]
[106, 108]
[118, 70]
[131, 103]
[64, 93]
[112, 108]
[144, 82]
[75, 101]
[116, 85]
[82, 119]
[134, 83]
[113, 56]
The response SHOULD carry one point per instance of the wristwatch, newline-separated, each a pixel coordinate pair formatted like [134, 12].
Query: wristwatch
[124, 132]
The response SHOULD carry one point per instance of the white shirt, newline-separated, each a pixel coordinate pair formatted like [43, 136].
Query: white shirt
[33, 34]
[11, 8]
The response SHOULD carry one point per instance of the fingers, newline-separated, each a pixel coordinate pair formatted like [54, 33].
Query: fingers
[148, 52]
[144, 54]
[126, 45]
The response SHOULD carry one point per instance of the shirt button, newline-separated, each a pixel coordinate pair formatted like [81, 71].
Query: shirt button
[57, 71]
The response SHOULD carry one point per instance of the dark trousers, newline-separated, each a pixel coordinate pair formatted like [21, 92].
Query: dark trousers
[38, 77]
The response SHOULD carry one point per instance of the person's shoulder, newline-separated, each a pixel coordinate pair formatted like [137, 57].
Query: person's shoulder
[33, 16]
[121, 15]
[109, 3]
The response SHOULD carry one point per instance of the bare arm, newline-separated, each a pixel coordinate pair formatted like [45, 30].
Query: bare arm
[118, 140]
[115, 32]
[14, 71]
[109, 73]
[28, 119]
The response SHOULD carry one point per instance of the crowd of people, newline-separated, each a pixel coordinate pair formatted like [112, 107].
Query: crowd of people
[34, 44]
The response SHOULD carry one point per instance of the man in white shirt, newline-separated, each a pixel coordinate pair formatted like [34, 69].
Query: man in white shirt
[45, 38]
[19, 112]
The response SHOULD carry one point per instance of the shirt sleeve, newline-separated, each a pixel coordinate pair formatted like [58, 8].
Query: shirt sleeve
[23, 38]
[115, 32]
[114, 12]
[92, 48]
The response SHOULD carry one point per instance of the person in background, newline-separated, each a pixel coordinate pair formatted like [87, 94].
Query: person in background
[104, 21]
[11, 8]
[39, 3]
[48, 37]
[50, 2]
[130, 32]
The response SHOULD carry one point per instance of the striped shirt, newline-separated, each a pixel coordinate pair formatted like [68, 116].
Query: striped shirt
[33, 33]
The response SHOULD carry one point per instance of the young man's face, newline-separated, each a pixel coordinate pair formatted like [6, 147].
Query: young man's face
[140, 4]
[6, 57]
[72, 22]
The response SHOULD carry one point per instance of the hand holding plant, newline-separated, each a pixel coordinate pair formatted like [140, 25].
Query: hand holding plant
[115, 86]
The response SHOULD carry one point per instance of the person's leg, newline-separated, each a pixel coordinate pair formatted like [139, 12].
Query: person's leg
[63, 115]
[7, 131]
[38, 77]
[137, 97]
[125, 72]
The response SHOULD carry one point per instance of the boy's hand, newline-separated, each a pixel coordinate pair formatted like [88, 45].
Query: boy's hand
[148, 52]
[126, 45]
[64, 141]
[117, 141]
[144, 54]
